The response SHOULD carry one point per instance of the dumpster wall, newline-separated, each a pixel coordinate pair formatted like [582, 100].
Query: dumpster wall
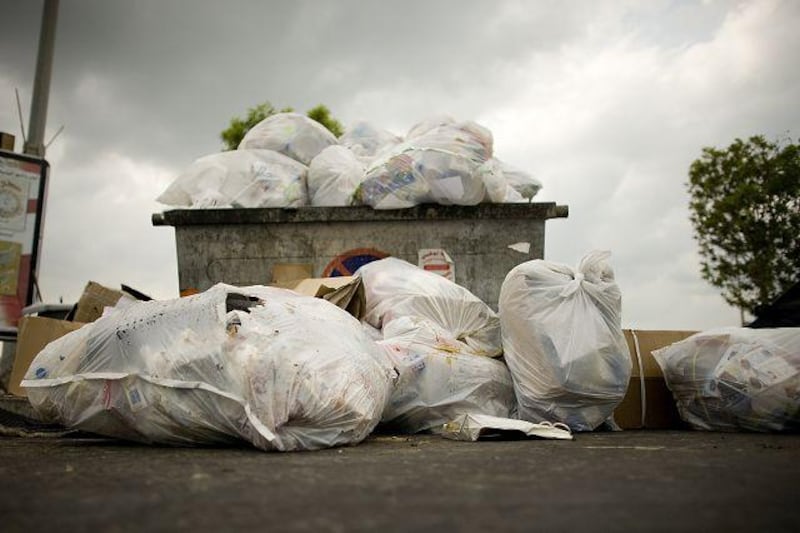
[244, 246]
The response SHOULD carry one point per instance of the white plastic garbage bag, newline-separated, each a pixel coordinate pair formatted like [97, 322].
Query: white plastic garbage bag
[292, 134]
[437, 166]
[265, 365]
[424, 126]
[395, 288]
[507, 184]
[366, 140]
[736, 378]
[440, 378]
[563, 341]
[333, 177]
[240, 178]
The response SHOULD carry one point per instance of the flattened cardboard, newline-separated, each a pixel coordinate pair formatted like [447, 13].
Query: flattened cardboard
[287, 275]
[346, 292]
[660, 411]
[33, 335]
[94, 299]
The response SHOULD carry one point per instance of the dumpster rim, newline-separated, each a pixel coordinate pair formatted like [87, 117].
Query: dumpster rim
[312, 214]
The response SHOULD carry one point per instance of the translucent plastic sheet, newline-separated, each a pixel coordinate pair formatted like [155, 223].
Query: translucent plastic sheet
[263, 365]
[395, 288]
[736, 378]
[563, 341]
[240, 178]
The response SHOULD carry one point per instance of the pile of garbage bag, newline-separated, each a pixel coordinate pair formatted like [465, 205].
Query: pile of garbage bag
[728, 379]
[440, 161]
[240, 178]
[259, 364]
[284, 371]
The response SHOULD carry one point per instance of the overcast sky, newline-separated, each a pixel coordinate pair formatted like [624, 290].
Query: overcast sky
[606, 102]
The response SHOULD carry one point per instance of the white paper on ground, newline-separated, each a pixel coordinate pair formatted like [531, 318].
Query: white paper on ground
[473, 427]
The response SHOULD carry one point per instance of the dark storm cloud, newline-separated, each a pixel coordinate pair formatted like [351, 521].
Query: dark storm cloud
[607, 102]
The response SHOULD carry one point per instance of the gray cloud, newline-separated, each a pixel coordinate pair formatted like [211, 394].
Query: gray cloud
[607, 102]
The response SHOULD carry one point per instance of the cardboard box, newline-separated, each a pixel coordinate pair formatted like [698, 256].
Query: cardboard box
[94, 299]
[7, 141]
[287, 275]
[346, 292]
[33, 335]
[658, 410]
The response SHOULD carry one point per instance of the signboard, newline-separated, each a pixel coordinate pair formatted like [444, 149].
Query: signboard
[23, 181]
[346, 263]
[437, 261]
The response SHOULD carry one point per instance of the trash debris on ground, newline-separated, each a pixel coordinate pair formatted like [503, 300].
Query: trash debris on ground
[291, 134]
[266, 365]
[240, 178]
[475, 427]
[563, 342]
[440, 378]
[395, 288]
[736, 378]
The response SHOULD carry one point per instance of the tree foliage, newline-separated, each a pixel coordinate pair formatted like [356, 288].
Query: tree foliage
[323, 115]
[238, 127]
[745, 209]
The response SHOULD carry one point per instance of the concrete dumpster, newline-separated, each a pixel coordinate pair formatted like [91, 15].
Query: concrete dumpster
[251, 246]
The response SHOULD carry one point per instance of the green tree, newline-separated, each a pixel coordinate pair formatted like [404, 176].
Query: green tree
[323, 115]
[238, 127]
[745, 209]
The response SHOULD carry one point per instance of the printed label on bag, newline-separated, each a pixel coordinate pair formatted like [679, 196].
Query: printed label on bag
[135, 398]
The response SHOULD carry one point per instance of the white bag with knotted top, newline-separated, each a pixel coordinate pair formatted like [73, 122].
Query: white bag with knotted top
[563, 342]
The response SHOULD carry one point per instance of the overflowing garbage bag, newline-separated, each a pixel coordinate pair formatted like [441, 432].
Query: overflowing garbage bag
[395, 288]
[440, 378]
[333, 177]
[507, 184]
[563, 341]
[441, 161]
[291, 134]
[438, 164]
[240, 178]
[260, 364]
[736, 378]
[366, 140]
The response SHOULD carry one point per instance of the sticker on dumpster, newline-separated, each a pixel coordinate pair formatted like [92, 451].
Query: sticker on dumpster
[437, 261]
[346, 264]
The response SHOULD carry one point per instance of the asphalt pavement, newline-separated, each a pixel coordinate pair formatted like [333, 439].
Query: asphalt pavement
[615, 481]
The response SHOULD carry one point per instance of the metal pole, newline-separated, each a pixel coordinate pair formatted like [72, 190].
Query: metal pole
[41, 83]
